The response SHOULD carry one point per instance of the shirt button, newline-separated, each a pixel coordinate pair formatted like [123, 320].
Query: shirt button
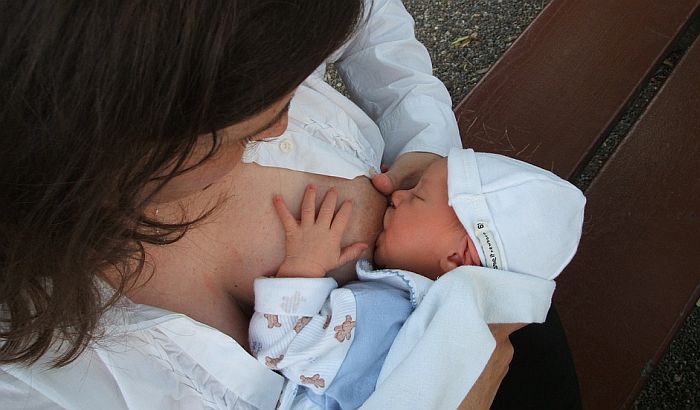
[373, 171]
[286, 146]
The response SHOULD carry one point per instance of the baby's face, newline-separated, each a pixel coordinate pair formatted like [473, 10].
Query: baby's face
[419, 226]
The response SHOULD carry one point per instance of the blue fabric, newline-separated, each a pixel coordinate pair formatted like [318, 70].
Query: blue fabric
[381, 311]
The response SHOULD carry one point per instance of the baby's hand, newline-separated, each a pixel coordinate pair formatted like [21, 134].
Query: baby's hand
[313, 244]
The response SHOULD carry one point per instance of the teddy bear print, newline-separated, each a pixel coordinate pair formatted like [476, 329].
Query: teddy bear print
[272, 320]
[327, 322]
[272, 362]
[303, 321]
[316, 380]
[344, 330]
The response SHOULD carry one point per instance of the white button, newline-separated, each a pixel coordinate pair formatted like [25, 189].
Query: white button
[286, 146]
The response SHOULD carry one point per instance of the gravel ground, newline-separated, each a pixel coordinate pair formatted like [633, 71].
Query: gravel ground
[465, 38]
[675, 383]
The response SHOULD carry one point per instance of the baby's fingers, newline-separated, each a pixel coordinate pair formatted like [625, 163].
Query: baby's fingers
[285, 216]
[325, 214]
[342, 217]
[351, 253]
[308, 205]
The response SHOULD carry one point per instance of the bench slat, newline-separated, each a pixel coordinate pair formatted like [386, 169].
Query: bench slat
[555, 93]
[636, 276]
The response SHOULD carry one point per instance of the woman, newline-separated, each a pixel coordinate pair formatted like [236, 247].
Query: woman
[122, 129]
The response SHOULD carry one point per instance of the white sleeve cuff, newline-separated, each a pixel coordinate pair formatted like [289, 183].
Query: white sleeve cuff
[292, 296]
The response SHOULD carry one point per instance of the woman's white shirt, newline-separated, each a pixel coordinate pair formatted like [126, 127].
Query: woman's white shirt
[149, 359]
[397, 105]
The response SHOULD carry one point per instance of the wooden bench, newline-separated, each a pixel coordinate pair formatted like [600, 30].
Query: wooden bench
[551, 100]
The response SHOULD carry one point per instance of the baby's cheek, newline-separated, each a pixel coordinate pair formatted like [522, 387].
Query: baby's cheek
[379, 258]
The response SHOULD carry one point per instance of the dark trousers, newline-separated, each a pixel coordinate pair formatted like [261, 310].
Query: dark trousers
[542, 373]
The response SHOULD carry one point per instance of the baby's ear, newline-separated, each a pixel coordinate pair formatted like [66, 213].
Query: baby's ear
[450, 262]
[455, 258]
[464, 254]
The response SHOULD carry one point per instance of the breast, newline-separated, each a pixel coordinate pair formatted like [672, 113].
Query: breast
[245, 237]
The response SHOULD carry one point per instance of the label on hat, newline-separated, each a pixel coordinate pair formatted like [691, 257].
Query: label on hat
[488, 245]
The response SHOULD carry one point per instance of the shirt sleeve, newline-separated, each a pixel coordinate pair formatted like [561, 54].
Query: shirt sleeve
[302, 327]
[388, 73]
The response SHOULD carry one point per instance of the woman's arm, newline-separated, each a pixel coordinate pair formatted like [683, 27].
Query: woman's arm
[389, 75]
[484, 390]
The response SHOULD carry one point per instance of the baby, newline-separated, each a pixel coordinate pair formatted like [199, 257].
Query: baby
[468, 209]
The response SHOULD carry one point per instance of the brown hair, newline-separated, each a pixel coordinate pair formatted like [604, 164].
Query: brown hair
[98, 97]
